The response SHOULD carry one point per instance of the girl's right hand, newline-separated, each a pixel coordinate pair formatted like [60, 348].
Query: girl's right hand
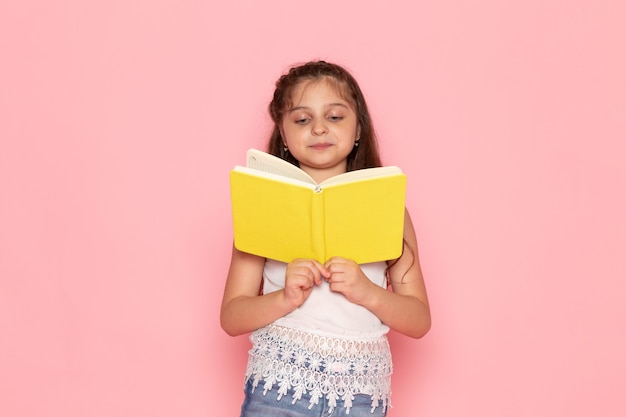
[301, 277]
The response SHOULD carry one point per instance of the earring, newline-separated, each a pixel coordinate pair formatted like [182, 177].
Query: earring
[356, 143]
[285, 148]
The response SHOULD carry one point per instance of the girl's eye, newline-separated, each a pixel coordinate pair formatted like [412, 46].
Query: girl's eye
[301, 121]
[336, 118]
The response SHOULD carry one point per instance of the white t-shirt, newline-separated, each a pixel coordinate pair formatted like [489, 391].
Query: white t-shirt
[328, 313]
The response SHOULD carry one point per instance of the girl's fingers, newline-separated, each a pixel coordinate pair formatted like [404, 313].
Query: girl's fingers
[310, 268]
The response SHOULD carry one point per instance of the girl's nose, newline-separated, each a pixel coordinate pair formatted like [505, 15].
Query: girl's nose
[319, 128]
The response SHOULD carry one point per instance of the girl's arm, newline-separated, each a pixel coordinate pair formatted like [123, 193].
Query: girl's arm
[244, 310]
[406, 309]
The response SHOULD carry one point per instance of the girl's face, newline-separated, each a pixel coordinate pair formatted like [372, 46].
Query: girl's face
[320, 129]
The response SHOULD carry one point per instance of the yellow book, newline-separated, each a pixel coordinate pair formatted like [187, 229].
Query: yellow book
[281, 213]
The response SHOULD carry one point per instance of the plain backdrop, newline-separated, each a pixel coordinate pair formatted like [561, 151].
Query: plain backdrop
[120, 121]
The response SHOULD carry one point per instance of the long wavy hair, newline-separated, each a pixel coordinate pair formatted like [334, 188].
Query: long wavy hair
[365, 155]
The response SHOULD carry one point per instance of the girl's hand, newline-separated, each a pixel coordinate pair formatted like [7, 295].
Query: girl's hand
[347, 277]
[301, 277]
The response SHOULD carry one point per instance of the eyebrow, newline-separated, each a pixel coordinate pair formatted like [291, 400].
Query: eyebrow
[326, 105]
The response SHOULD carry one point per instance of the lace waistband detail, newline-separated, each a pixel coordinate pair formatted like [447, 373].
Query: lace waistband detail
[320, 366]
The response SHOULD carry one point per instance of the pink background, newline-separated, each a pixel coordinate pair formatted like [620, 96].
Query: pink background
[119, 122]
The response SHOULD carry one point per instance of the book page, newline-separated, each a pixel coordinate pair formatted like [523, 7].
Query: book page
[361, 174]
[265, 162]
[269, 163]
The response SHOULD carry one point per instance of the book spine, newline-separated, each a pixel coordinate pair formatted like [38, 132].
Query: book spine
[318, 243]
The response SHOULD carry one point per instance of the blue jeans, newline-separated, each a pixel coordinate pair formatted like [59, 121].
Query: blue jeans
[255, 404]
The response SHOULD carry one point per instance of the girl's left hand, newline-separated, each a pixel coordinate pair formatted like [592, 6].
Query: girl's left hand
[347, 277]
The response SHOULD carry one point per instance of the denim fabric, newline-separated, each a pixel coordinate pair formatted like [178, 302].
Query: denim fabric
[256, 404]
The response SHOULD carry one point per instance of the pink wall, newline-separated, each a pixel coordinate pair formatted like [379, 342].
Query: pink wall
[119, 122]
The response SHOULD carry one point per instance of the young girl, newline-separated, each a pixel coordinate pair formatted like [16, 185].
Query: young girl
[318, 337]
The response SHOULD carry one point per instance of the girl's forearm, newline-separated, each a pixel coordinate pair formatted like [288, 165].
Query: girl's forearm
[245, 314]
[405, 314]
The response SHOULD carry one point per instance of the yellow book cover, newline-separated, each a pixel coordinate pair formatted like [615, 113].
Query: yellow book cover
[279, 212]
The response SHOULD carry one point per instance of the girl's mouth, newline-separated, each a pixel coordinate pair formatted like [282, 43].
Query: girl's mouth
[321, 146]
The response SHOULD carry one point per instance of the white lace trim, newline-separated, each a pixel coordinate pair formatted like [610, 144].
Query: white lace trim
[320, 366]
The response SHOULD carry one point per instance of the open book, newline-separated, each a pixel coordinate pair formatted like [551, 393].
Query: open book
[281, 213]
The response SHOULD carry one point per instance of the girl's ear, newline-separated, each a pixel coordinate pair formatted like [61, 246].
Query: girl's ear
[358, 131]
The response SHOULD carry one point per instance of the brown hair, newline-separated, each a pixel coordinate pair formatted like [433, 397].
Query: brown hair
[365, 155]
